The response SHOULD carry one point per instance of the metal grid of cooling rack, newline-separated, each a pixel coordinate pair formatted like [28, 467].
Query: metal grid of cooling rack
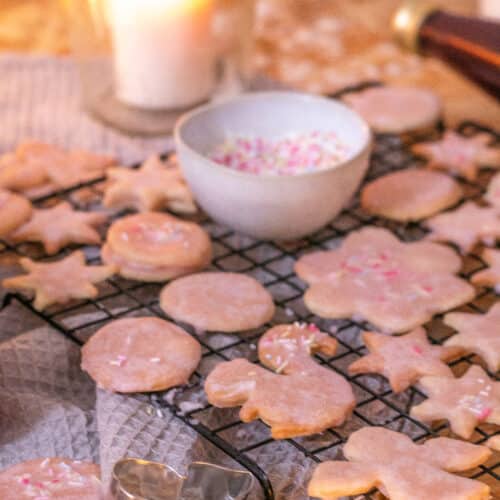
[272, 264]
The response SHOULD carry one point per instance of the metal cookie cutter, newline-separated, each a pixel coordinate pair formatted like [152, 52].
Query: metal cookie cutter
[135, 479]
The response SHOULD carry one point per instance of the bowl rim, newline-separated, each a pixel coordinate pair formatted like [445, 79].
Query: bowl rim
[193, 114]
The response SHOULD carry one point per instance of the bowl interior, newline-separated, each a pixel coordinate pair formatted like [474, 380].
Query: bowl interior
[271, 115]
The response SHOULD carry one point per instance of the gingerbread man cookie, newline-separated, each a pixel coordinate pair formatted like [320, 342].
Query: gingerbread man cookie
[489, 277]
[61, 281]
[467, 225]
[153, 187]
[477, 333]
[14, 211]
[140, 355]
[51, 478]
[459, 155]
[300, 399]
[400, 469]
[60, 226]
[465, 402]
[492, 196]
[395, 286]
[404, 360]
[410, 195]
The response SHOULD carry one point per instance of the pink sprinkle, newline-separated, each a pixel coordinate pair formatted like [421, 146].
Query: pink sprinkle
[418, 349]
[384, 256]
[312, 328]
[25, 481]
[55, 481]
[354, 269]
[485, 413]
[392, 273]
[428, 288]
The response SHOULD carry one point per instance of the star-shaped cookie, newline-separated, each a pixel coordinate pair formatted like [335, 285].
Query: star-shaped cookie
[60, 226]
[61, 281]
[465, 402]
[404, 360]
[478, 333]
[459, 155]
[154, 186]
[373, 276]
[492, 195]
[489, 277]
[467, 225]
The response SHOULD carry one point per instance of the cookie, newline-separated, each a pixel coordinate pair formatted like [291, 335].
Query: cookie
[50, 478]
[404, 360]
[466, 226]
[140, 355]
[492, 195]
[400, 469]
[300, 399]
[152, 187]
[60, 281]
[222, 302]
[477, 333]
[465, 402]
[459, 155]
[491, 276]
[373, 276]
[410, 195]
[494, 443]
[156, 247]
[60, 226]
[396, 109]
[15, 210]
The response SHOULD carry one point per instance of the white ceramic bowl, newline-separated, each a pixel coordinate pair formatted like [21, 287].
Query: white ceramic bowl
[264, 206]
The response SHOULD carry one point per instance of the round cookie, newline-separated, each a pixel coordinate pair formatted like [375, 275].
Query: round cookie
[156, 247]
[410, 195]
[223, 302]
[396, 109]
[51, 478]
[15, 210]
[140, 355]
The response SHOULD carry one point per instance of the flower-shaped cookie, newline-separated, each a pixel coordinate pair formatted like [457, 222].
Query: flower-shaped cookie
[478, 333]
[465, 402]
[154, 186]
[492, 196]
[400, 469]
[60, 226]
[404, 360]
[61, 281]
[301, 398]
[459, 155]
[467, 225]
[491, 276]
[395, 286]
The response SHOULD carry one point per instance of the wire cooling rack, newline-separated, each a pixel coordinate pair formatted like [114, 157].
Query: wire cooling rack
[272, 264]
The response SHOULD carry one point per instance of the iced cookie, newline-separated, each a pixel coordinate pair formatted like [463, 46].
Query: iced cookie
[404, 360]
[60, 226]
[459, 155]
[410, 195]
[156, 247]
[466, 226]
[153, 187]
[300, 399]
[60, 281]
[50, 478]
[478, 333]
[396, 109]
[14, 212]
[465, 402]
[395, 286]
[400, 469]
[140, 355]
[223, 302]
[492, 196]
[489, 277]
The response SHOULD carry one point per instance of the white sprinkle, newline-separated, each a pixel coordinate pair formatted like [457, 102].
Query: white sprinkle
[45, 463]
[289, 312]
[159, 413]
[282, 367]
[252, 347]
[155, 360]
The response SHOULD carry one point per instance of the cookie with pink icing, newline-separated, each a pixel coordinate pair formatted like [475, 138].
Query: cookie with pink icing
[395, 286]
[466, 226]
[51, 478]
[410, 195]
[15, 210]
[404, 360]
[140, 355]
[465, 402]
[459, 155]
[477, 333]
[489, 277]
[492, 195]
[401, 469]
[223, 302]
[300, 398]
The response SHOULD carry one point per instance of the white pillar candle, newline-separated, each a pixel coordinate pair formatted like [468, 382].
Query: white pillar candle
[164, 53]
